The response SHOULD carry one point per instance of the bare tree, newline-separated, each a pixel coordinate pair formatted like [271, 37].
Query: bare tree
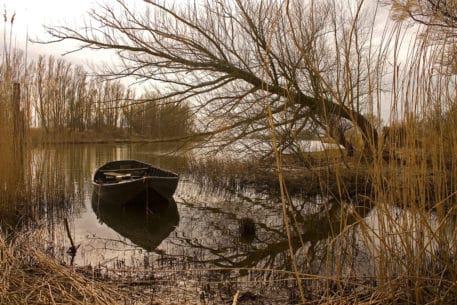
[232, 59]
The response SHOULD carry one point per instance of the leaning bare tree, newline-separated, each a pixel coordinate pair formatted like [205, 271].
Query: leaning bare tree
[306, 61]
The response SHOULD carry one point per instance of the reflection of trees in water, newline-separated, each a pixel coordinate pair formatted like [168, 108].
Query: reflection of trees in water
[212, 239]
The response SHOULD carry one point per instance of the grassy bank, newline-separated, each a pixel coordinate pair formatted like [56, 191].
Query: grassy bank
[30, 277]
[39, 136]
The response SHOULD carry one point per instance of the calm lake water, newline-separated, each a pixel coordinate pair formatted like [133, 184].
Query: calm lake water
[197, 242]
[200, 231]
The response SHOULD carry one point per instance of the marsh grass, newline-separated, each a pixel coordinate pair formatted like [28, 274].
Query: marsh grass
[312, 174]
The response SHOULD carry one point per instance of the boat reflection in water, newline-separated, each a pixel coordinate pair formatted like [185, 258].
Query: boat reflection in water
[142, 227]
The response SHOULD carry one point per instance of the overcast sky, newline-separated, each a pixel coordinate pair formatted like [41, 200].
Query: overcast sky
[32, 14]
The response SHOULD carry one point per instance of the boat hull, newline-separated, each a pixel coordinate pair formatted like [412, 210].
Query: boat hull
[151, 187]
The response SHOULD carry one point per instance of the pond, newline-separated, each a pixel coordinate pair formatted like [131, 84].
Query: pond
[197, 244]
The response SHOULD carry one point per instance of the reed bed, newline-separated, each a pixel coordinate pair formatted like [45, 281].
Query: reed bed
[410, 233]
[317, 175]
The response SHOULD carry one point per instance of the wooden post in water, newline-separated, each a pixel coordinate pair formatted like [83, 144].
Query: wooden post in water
[16, 105]
[18, 125]
[17, 120]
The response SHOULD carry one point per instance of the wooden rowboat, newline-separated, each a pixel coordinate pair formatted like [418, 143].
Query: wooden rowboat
[126, 182]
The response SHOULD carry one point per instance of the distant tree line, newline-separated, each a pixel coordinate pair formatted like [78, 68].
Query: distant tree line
[159, 120]
[58, 96]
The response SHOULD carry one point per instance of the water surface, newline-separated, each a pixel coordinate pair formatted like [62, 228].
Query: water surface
[197, 241]
[204, 231]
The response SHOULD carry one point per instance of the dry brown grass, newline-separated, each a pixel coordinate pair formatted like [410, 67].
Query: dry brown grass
[30, 277]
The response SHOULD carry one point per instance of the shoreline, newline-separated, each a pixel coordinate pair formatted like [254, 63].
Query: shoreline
[38, 137]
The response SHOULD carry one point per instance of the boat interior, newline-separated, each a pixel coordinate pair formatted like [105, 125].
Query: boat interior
[118, 175]
[119, 171]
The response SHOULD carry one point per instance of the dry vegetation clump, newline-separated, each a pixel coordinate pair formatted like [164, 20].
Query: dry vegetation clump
[30, 277]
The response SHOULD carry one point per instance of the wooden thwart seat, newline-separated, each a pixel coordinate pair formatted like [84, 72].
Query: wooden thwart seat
[124, 170]
[117, 175]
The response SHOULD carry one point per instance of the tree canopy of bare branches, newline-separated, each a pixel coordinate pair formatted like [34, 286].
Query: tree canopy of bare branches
[306, 61]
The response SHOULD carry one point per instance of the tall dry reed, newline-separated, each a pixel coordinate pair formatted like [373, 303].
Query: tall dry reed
[410, 236]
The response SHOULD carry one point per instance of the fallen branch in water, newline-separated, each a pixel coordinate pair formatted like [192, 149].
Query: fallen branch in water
[72, 250]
